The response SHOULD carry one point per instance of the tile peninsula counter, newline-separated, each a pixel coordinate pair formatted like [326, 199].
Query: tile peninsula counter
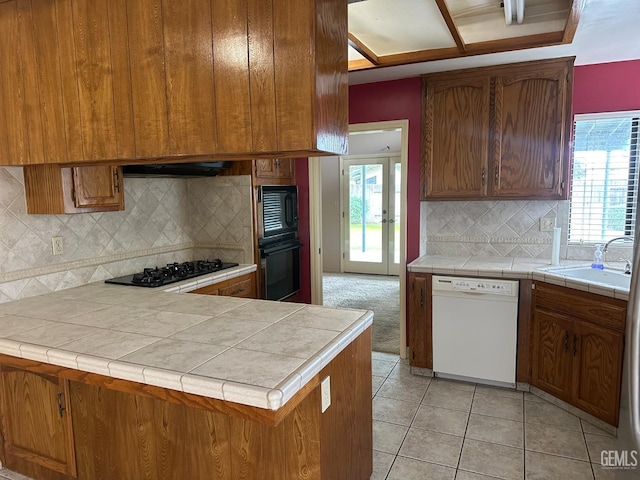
[128, 382]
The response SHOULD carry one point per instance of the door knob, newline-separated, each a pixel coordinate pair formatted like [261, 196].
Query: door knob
[384, 220]
[391, 221]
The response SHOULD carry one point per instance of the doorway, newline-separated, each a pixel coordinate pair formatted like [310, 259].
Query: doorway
[371, 207]
[316, 214]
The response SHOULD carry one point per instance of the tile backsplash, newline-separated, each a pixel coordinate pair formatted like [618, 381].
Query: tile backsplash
[503, 228]
[165, 219]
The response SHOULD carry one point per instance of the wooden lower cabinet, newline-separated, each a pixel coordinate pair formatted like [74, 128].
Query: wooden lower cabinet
[420, 323]
[243, 286]
[128, 431]
[36, 421]
[577, 343]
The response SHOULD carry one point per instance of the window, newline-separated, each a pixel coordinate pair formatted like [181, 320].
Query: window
[604, 180]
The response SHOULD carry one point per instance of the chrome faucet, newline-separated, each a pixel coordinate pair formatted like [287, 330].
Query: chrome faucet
[626, 238]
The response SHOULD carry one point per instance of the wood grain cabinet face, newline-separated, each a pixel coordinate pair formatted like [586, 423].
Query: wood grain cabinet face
[274, 168]
[136, 80]
[455, 141]
[243, 286]
[531, 133]
[98, 187]
[498, 132]
[36, 420]
[51, 189]
[420, 333]
[576, 353]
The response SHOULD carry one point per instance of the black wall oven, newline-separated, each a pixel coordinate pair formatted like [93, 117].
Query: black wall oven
[278, 242]
[280, 266]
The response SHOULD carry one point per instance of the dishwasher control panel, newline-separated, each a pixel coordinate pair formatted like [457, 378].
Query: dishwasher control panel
[475, 285]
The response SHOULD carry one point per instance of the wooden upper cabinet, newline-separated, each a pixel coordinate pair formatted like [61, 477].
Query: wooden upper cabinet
[36, 420]
[137, 80]
[455, 141]
[97, 187]
[274, 168]
[532, 126]
[52, 189]
[498, 132]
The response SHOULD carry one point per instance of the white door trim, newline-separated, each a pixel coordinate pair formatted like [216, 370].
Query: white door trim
[315, 221]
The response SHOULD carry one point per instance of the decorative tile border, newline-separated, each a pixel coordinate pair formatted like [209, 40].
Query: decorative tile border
[96, 261]
[488, 239]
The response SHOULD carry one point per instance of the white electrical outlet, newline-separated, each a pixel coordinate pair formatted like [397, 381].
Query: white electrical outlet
[547, 224]
[325, 393]
[57, 246]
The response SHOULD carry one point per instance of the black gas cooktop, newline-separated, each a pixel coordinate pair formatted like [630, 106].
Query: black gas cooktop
[171, 273]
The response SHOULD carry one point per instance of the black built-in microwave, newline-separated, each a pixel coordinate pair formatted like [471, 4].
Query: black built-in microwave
[277, 211]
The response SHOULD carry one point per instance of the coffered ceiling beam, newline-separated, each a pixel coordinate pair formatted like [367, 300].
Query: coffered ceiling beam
[480, 48]
[362, 49]
[446, 15]
[577, 7]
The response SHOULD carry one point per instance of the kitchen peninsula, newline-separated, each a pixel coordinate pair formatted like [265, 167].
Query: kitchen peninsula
[114, 382]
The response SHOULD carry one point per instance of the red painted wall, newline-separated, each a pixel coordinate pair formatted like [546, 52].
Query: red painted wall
[597, 88]
[373, 102]
[606, 87]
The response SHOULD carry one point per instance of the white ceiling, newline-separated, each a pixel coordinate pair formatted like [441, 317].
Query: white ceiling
[607, 32]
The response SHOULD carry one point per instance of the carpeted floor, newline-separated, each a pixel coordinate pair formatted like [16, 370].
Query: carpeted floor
[379, 293]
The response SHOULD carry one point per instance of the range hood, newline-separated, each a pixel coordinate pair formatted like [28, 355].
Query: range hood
[196, 169]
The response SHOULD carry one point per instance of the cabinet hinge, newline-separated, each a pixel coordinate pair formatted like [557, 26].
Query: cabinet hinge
[73, 195]
[342, 214]
[343, 171]
[117, 180]
[562, 186]
[343, 255]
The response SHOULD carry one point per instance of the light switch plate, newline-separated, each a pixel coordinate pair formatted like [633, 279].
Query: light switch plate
[325, 393]
[547, 224]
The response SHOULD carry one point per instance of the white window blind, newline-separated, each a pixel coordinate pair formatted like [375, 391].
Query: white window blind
[604, 178]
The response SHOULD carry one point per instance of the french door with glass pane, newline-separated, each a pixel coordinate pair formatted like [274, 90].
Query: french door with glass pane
[371, 214]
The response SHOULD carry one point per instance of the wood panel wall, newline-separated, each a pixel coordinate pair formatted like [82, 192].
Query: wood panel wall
[132, 80]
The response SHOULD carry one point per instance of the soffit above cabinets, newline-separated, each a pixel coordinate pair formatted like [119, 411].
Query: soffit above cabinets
[384, 33]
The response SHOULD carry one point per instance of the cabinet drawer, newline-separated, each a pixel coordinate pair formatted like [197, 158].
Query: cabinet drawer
[597, 309]
[242, 289]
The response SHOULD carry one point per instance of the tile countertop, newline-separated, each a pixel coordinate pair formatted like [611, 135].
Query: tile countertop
[252, 352]
[516, 268]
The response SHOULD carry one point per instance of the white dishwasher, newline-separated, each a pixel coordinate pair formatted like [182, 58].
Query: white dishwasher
[475, 328]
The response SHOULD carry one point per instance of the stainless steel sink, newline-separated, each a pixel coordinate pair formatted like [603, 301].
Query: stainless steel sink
[613, 278]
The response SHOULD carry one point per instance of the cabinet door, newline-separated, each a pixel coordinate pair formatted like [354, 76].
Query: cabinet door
[285, 167]
[455, 138]
[597, 370]
[551, 355]
[36, 419]
[241, 289]
[531, 132]
[420, 341]
[266, 168]
[98, 187]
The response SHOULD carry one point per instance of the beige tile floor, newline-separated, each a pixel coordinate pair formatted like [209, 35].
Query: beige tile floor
[426, 428]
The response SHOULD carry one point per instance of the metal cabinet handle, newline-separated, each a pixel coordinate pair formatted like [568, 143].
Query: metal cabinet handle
[61, 408]
[117, 180]
[422, 297]
[484, 176]
[575, 345]
[497, 174]
[566, 342]
[384, 220]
